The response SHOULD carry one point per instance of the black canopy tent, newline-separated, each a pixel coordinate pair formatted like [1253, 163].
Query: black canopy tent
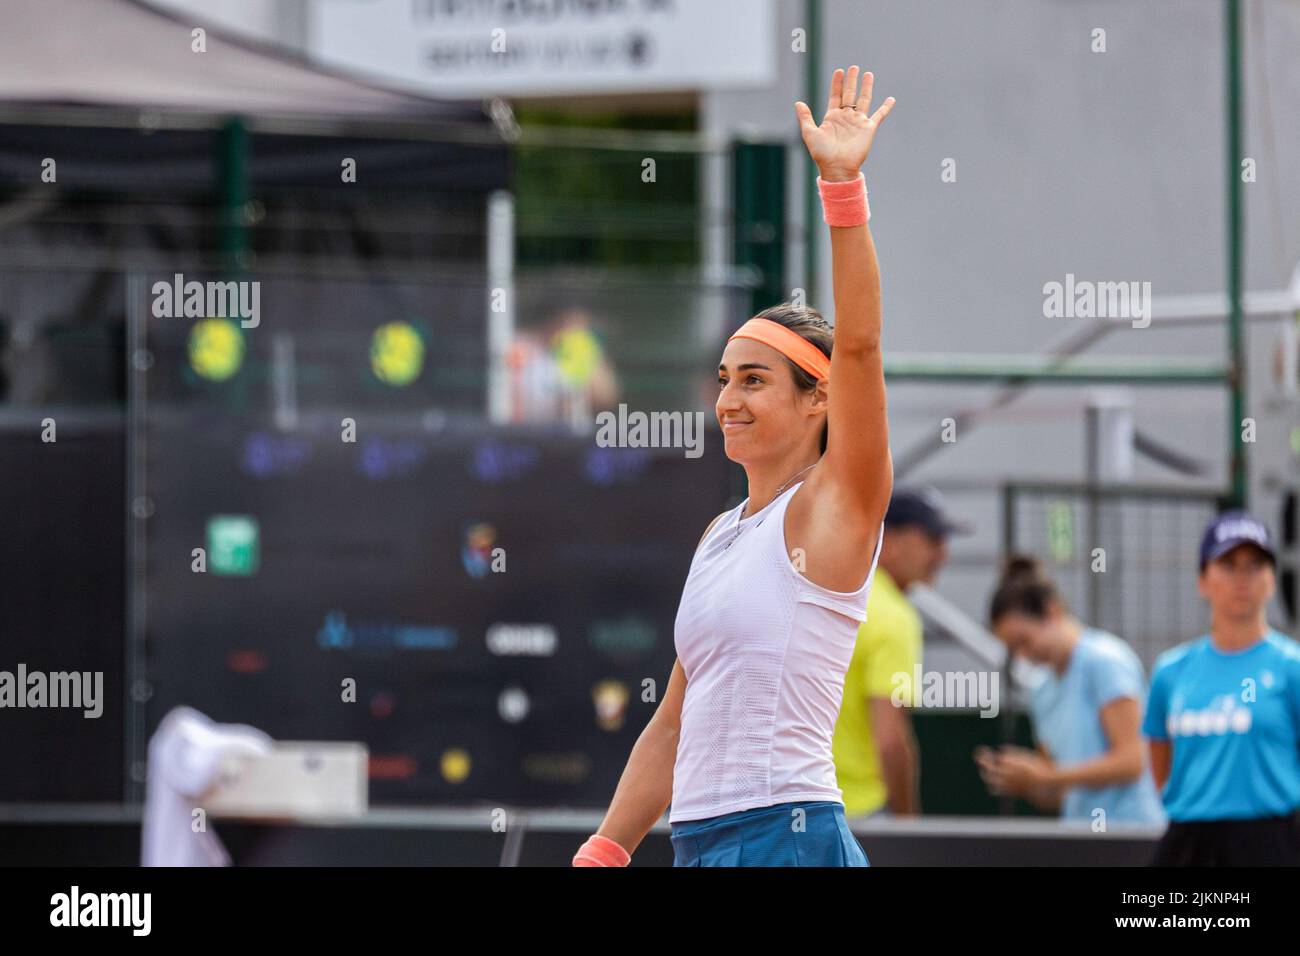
[221, 163]
[114, 92]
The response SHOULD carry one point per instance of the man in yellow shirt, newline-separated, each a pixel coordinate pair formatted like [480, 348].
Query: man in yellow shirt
[876, 759]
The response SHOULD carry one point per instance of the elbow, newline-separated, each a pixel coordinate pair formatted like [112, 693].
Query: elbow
[895, 750]
[664, 726]
[859, 345]
[886, 478]
[1130, 767]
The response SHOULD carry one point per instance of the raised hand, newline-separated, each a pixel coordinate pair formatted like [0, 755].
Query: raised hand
[839, 146]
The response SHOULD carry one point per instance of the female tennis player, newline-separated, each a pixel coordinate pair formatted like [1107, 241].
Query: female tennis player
[1086, 713]
[1223, 716]
[740, 745]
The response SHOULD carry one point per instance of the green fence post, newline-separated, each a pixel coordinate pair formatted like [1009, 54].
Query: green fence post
[234, 193]
[1236, 350]
[759, 218]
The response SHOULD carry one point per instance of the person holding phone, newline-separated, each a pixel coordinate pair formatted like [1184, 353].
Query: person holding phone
[1086, 713]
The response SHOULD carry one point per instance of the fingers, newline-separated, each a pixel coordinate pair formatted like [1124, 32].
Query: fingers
[994, 780]
[845, 95]
[850, 88]
[837, 89]
[879, 115]
[864, 98]
[805, 117]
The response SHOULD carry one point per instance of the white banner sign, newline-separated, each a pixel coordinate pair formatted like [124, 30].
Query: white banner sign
[474, 48]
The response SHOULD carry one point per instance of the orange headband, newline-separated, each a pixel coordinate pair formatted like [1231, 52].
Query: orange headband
[790, 344]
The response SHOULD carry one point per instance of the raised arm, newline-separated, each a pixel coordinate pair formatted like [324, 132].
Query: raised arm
[857, 463]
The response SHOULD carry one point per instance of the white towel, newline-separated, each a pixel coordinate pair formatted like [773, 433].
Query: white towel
[185, 755]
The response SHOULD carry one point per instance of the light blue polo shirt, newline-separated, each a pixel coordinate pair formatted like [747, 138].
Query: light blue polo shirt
[1066, 714]
[1234, 722]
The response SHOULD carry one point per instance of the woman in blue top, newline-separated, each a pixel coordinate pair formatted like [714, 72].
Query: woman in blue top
[1223, 717]
[1086, 712]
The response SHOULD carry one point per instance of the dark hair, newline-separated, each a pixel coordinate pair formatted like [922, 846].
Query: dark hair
[1024, 588]
[810, 325]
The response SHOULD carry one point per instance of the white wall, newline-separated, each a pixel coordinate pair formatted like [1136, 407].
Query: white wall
[1107, 165]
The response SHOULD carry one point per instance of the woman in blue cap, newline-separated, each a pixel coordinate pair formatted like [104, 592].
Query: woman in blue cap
[1223, 716]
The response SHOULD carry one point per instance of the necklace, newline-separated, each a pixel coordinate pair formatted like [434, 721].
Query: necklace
[789, 481]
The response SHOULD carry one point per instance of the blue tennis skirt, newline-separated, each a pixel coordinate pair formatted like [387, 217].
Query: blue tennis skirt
[802, 833]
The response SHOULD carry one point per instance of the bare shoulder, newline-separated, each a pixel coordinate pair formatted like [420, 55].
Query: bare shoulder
[709, 528]
[820, 500]
[834, 534]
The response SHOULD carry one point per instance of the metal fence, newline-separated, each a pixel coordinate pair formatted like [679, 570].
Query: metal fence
[1124, 557]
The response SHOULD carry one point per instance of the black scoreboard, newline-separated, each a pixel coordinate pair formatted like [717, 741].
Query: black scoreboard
[504, 603]
[332, 542]
[489, 608]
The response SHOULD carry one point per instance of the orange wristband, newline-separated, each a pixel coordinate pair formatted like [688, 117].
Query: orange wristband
[601, 851]
[844, 204]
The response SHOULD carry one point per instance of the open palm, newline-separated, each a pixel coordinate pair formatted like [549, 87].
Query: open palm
[839, 146]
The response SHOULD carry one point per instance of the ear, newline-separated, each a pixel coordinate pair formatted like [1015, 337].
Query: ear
[821, 395]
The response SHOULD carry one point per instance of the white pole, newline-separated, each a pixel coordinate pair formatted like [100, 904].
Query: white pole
[284, 384]
[1114, 422]
[501, 301]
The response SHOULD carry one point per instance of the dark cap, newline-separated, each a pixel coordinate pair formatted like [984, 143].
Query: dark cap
[923, 507]
[1233, 528]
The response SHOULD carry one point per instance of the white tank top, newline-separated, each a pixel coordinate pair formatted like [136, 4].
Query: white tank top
[765, 651]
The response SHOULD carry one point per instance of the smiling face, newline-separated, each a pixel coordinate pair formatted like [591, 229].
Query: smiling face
[1238, 584]
[761, 410]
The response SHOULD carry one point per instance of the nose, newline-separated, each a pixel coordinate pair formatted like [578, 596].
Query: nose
[728, 399]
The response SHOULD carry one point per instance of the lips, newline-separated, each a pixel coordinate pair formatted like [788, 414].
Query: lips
[734, 426]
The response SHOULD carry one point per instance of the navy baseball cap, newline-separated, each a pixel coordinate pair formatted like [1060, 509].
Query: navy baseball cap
[1233, 528]
[923, 507]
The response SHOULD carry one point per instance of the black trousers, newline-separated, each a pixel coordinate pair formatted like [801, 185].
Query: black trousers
[1266, 841]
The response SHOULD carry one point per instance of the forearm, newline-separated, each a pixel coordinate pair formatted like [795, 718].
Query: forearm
[1111, 768]
[856, 284]
[898, 766]
[645, 789]
[1160, 753]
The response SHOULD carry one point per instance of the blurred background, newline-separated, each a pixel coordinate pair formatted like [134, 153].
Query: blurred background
[469, 252]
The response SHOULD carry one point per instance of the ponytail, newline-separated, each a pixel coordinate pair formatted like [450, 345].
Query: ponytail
[1024, 588]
